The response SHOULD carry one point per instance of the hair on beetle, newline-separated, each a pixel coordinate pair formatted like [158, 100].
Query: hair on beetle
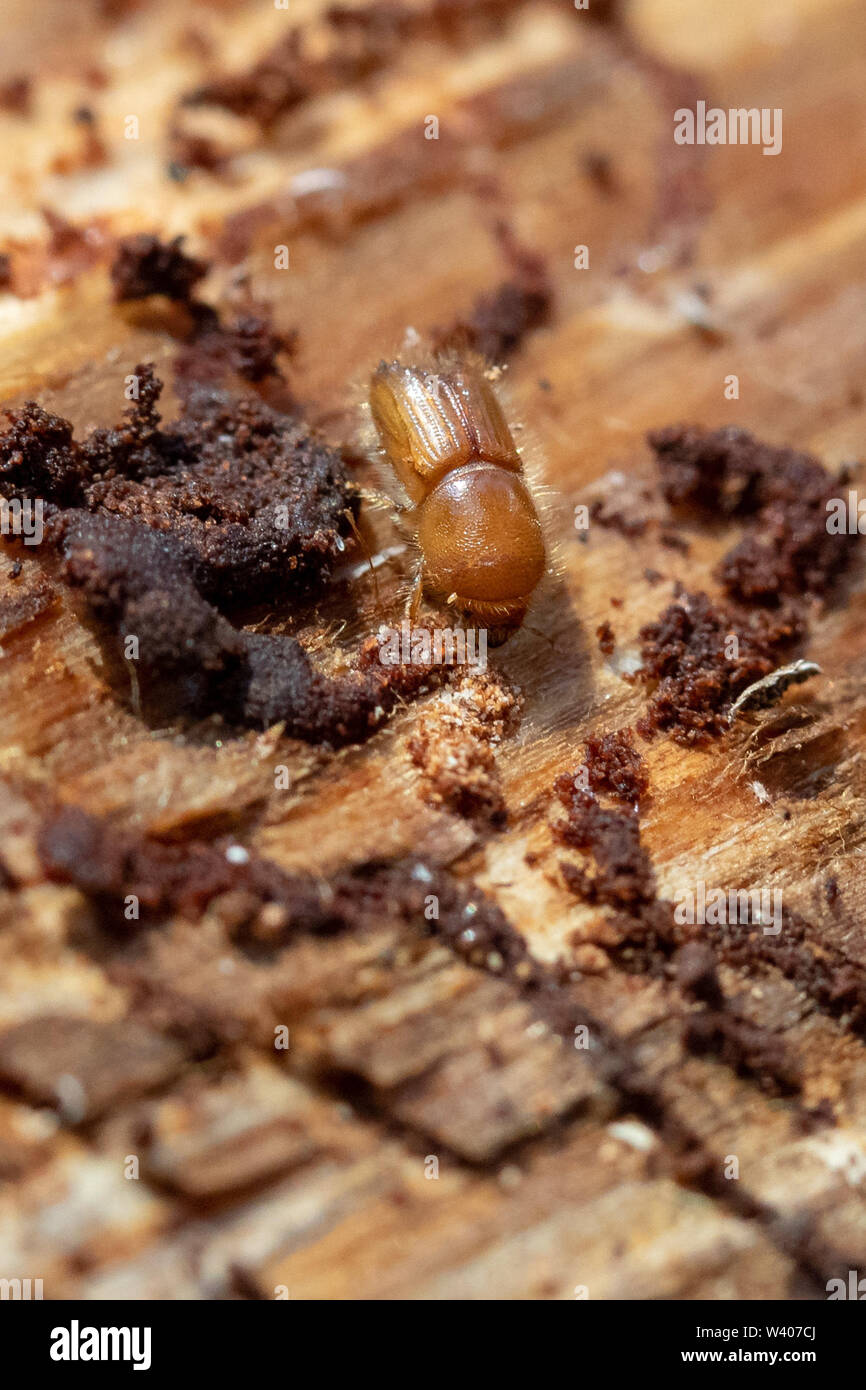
[459, 487]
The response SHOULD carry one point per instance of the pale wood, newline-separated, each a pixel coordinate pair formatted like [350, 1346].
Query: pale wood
[538, 1191]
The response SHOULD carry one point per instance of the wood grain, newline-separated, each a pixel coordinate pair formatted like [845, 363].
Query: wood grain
[307, 1169]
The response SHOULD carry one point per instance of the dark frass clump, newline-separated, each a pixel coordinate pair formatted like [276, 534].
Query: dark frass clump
[780, 494]
[163, 528]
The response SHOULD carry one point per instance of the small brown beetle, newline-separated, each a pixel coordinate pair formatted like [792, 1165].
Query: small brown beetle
[445, 436]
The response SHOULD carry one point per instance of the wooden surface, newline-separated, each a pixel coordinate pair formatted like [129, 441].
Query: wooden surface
[305, 1169]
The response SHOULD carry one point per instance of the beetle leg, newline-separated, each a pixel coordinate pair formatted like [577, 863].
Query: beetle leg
[415, 596]
[380, 501]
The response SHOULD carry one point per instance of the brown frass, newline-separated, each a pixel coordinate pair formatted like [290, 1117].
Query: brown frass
[779, 493]
[109, 864]
[498, 322]
[453, 744]
[263, 907]
[606, 637]
[360, 42]
[835, 982]
[623, 876]
[719, 1028]
[239, 492]
[248, 345]
[193, 661]
[695, 669]
[144, 265]
[614, 765]
[162, 528]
